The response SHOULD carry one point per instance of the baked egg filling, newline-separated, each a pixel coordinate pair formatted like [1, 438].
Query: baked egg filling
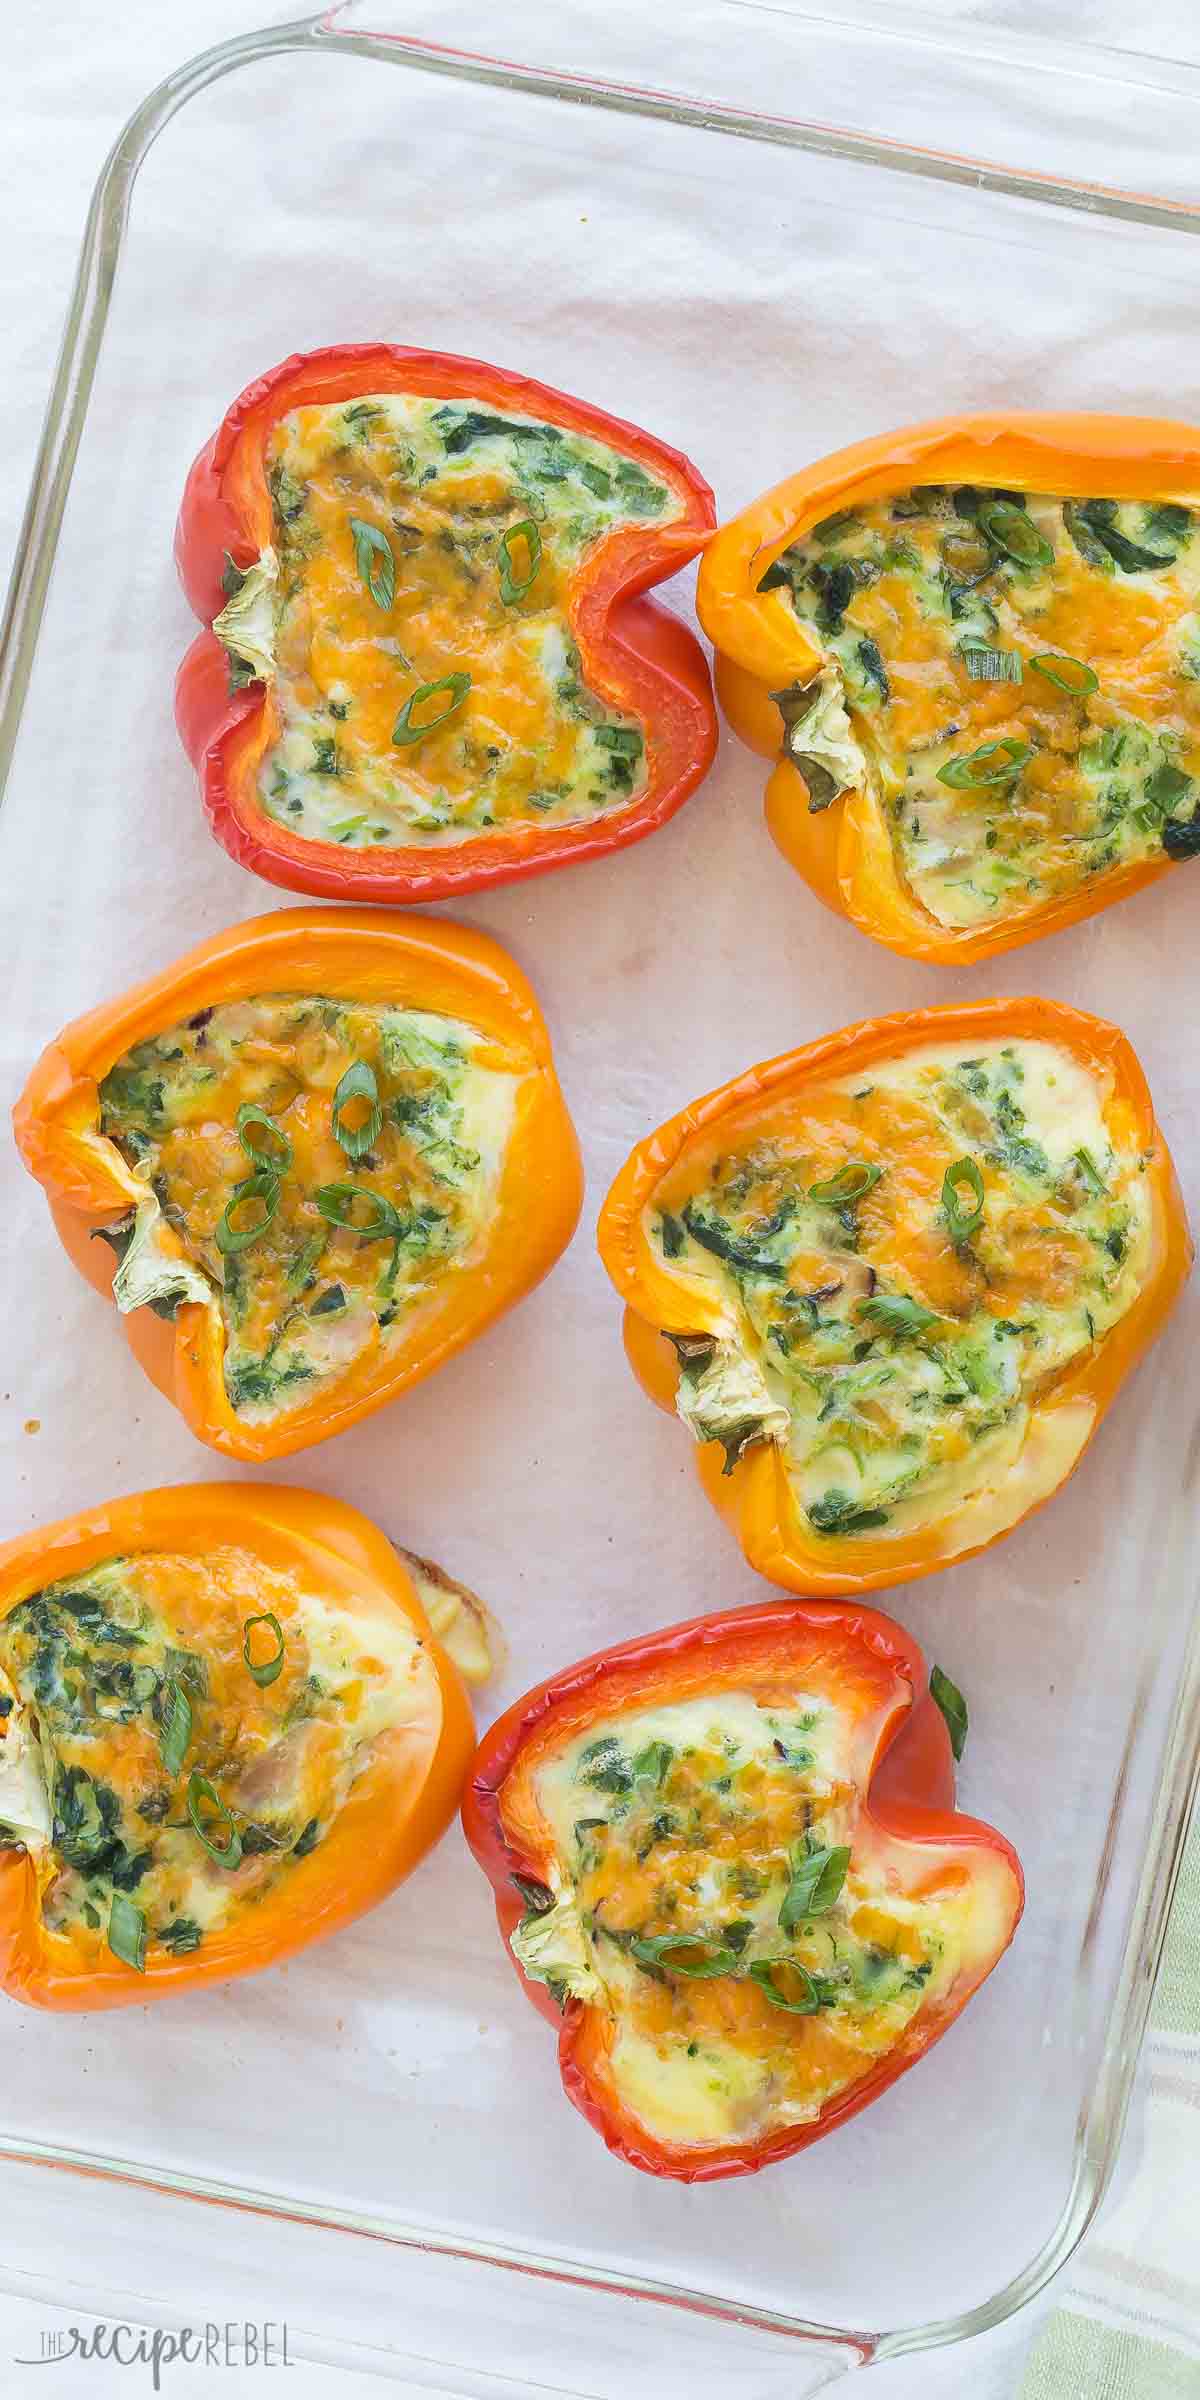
[411, 614]
[720, 1894]
[1016, 679]
[316, 1169]
[178, 1730]
[905, 1263]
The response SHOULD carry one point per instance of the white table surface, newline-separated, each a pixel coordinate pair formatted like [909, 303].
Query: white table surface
[70, 74]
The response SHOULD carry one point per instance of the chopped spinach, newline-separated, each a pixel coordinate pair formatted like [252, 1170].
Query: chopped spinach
[290, 498]
[251, 1380]
[1168, 521]
[651, 1763]
[712, 1233]
[118, 1237]
[835, 587]
[1181, 836]
[132, 1092]
[871, 662]
[181, 1935]
[257, 1839]
[329, 1302]
[605, 1767]
[1091, 549]
[671, 1234]
[1099, 516]
[538, 1897]
[86, 1815]
[836, 1513]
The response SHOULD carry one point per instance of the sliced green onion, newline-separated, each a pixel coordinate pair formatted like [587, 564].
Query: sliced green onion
[200, 1791]
[301, 1271]
[127, 1933]
[264, 1187]
[694, 1954]
[1089, 1172]
[992, 666]
[817, 1879]
[796, 1981]
[337, 1202]
[1067, 674]
[895, 1312]
[186, 1667]
[852, 1182]
[962, 1221]
[1167, 786]
[967, 556]
[176, 1730]
[512, 585]
[1013, 531]
[275, 1154]
[373, 558]
[829, 528]
[949, 1699]
[623, 740]
[358, 1083]
[404, 732]
[264, 1670]
[993, 762]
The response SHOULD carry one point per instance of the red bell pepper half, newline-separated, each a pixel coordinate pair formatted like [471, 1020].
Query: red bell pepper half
[639, 657]
[729, 1860]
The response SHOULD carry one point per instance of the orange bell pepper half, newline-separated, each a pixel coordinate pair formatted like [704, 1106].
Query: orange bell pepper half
[389, 729]
[728, 1999]
[292, 1248]
[893, 1280]
[168, 1819]
[1073, 674]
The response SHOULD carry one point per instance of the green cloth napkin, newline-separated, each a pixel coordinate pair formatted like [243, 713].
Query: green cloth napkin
[1129, 2328]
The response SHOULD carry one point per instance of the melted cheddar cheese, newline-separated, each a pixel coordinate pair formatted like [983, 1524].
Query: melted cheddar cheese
[319, 1166]
[412, 615]
[718, 1892]
[906, 1261]
[1016, 678]
[128, 1689]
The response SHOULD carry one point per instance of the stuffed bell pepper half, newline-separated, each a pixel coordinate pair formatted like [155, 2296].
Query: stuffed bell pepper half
[226, 1729]
[429, 664]
[308, 1164]
[728, 1867]
[891, 1282]
[972, 649]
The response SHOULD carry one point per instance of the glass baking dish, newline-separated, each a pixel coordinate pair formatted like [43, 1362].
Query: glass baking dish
[582, 197]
